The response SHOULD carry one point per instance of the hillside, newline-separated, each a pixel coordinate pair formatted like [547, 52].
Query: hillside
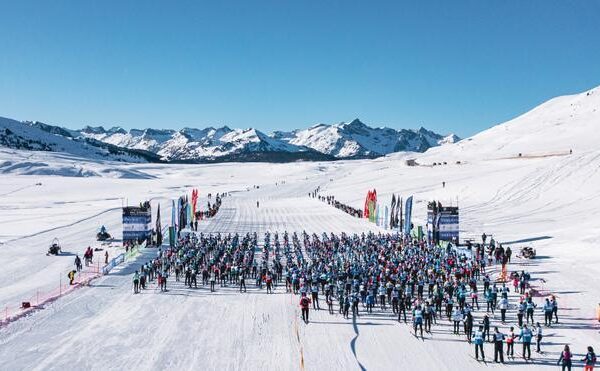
[570, 122]
[41, 137]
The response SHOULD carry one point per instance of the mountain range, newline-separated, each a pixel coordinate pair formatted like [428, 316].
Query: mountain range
[319, 142]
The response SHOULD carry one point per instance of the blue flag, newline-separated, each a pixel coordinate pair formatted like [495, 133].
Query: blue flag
[408, 215]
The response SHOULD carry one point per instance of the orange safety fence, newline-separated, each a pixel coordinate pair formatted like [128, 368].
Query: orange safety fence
[41, 297]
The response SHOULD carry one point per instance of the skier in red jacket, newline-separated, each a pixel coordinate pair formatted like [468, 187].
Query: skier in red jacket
[304, 305]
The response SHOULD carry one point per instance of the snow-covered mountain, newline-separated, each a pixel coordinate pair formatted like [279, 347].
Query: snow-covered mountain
[37, 136]
[201, 145]
[355, 139]
[319, 142]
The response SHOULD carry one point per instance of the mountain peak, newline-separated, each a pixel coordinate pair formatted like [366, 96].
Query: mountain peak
[356, 122]
[93, 129]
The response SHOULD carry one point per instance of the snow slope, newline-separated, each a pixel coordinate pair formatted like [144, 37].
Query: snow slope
[561, 124]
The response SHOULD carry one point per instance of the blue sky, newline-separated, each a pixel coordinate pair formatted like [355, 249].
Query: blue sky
[451, 66]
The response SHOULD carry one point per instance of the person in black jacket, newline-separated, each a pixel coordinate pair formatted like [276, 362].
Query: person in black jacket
[498, 345]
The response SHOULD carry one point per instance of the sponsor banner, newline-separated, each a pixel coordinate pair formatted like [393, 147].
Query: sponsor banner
[136, 219]
[137, 227]
[448, 219]
[136, 211]
[448, 228]
[135, 235]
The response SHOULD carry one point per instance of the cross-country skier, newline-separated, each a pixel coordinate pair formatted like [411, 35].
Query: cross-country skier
[510, 343]
[525, 336]
[78, 263]
[548, 310]
[304, 306]
[538, 337]
[478, 340]
[565, 359]
[136, 282]
[418, 319]
[554, 309]
[589, 360]
[498, 345]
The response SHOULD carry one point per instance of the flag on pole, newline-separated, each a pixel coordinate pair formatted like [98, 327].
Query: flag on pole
[392, 207]
[408, 215]
[159, 236]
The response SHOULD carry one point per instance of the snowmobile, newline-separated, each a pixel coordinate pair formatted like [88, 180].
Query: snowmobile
[54, 248]
[103, 235]
[528, 252]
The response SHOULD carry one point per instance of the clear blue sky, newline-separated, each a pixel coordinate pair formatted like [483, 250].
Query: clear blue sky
[451, 66]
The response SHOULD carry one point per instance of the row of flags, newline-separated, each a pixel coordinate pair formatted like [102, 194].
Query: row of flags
[395, 216]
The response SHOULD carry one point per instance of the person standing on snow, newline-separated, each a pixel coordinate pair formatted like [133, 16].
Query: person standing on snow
[457, 317]
[525, 336]
[522, 307]
[71, 276]
[530, 305]
[554, 309]
[538, 337]
[478, 340]
[78, 263]
[589, 360]
[243, 282]
[213, 279]
[136, 282]
[498, 345]
[565, 359]
[304, 306]
[314, 292]
[269, 282]
[510, 343]
[418, 319]
[503, 305]
[548, 310]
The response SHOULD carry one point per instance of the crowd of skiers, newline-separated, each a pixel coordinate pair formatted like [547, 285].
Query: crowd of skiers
[330, 200]
[413, 281]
